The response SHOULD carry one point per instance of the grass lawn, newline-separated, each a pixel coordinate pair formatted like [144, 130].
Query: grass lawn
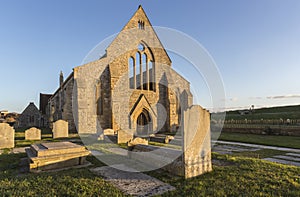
[271, 140]
[285, 112]
[238, 176]
[72, 182]
[259, 154]
[46, 136]
[232, 176]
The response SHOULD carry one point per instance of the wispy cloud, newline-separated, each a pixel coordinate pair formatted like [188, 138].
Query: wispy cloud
[255, 98]
[284, 96]
[230, 99]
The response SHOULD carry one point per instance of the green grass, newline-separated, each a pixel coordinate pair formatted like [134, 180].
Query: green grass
[271, 140]
[285, 112]
[238, 177]
[233, 176]
[72, 182]
[292, 108]
[265, 116]
[165, 145]
[259, 154]
[46, 136]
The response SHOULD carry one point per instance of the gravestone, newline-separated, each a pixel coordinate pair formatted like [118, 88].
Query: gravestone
[33, 134]
[193, 159]
[60, 129]
[7, 136]
[108, 132]
[196, 142]
[124, 136]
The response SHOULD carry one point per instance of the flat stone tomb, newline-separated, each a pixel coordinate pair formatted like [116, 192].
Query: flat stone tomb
[55, 155]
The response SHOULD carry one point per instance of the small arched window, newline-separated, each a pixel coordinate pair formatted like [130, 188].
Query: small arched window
[141, 24]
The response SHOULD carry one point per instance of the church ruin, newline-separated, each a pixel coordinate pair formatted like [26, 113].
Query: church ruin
[133, 88]
[90, 90]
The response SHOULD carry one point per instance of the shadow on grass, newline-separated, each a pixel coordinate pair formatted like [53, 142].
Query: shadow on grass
[72, 182]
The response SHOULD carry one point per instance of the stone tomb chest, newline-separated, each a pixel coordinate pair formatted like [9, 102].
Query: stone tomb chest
[55, 155]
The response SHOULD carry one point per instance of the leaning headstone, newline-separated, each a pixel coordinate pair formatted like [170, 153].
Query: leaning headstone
[33, 134]
[137, 141]
[60, 129]
[109, 132]
[7, 136]
[196, 142]
[124, 136]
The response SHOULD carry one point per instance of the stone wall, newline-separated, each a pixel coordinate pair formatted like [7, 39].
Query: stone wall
[84, 99]
[67, 113]
[60, 104]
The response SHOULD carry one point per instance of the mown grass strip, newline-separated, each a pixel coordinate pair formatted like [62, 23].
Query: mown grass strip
[271, 140]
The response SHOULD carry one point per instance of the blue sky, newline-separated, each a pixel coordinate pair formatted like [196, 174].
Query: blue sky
[255, 44]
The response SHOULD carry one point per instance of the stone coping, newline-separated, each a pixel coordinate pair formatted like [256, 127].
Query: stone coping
[54, 148]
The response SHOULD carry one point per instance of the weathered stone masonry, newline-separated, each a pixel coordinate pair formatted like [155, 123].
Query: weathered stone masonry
[101, 94]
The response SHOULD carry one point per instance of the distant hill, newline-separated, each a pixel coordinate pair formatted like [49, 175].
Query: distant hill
[283, 112]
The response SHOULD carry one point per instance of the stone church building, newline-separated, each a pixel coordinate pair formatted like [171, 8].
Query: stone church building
[30, 117]
[131, 87]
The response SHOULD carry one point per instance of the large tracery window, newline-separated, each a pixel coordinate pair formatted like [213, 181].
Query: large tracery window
[141, 70]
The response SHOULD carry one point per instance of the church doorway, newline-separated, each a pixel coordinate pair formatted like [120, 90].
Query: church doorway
[143, 124]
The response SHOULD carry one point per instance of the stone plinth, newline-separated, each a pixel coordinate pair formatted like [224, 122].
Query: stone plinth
[33, 134]
[55, 155]
[60, 129]
[7, 136]
[124, 136]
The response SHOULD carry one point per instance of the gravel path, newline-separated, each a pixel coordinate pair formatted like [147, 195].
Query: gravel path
[132, 183]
